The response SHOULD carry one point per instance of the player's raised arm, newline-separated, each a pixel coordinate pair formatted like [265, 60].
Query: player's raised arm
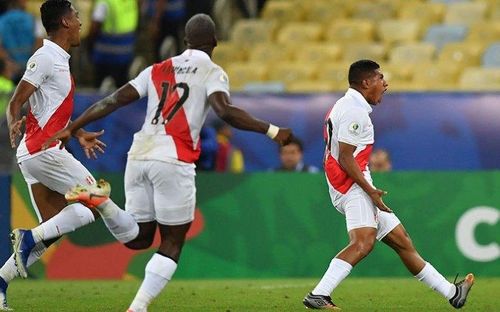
[14, 120]
[240, 119]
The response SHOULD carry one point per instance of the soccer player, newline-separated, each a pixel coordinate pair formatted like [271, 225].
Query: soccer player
[159, 176]
[349, 138]
[48, 87]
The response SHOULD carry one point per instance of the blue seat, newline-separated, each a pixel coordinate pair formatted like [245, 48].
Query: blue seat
[491, 57]
[441, 34]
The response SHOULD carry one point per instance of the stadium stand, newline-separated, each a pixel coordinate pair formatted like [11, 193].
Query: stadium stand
[425, 37]
[480, 79]
[370, 50]
[461, 34]
[465, 12]
[412, 53]
[398, 31]
[303, 32]
[441, 34]
[491, 57]
[461, 54]
[350, 30]
[317, 53]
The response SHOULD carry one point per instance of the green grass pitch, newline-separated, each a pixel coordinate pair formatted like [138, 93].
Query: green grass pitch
[354, 294]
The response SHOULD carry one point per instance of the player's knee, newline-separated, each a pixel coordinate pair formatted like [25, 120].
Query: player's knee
[364, 247]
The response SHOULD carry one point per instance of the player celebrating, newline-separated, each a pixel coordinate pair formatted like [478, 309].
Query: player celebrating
[159, 177]
[349, 138]
[48, 87]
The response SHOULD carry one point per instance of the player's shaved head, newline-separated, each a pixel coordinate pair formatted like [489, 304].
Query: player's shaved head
[200, 32]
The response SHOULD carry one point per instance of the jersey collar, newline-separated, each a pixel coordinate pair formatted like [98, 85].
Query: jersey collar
[194, 52]
[56, 47]
[358, 97]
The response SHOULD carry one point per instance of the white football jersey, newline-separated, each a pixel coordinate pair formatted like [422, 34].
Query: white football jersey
[177, 91]
[51, 105]
[348, 122]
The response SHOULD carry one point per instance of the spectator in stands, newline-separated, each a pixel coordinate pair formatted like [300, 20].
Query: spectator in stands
[229, 158]
[208, 137]
[380, 161]
[292, 158]
[112, 38]
[16, 47]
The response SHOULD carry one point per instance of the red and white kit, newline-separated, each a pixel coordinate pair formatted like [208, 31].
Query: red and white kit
[163, 152]
[50, 109]
[349, 122]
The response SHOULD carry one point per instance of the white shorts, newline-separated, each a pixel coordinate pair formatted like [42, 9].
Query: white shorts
[360, 211]
[160, 191]
[56, 169]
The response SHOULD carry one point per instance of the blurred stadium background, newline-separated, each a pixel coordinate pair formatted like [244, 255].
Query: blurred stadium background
[288, 64]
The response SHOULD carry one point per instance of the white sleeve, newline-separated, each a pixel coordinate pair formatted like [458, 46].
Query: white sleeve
[140, 83]
[351, 126]
[100, 11]
[38, 69]
[217, 80]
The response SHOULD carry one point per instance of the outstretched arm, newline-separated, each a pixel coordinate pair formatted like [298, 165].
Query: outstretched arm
[240, 119]
[122, 97]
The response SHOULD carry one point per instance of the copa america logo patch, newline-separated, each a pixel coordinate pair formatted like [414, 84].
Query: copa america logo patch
[32, 66]
[223, 78]
[354, 128]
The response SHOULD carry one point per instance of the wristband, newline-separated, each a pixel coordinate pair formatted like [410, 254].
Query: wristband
[272, 132]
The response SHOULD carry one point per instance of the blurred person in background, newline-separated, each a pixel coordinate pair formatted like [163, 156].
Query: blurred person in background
[17, 48]
[111, 39]
[380, 161]
[228, 157]
[292, 158]
[349, 138]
